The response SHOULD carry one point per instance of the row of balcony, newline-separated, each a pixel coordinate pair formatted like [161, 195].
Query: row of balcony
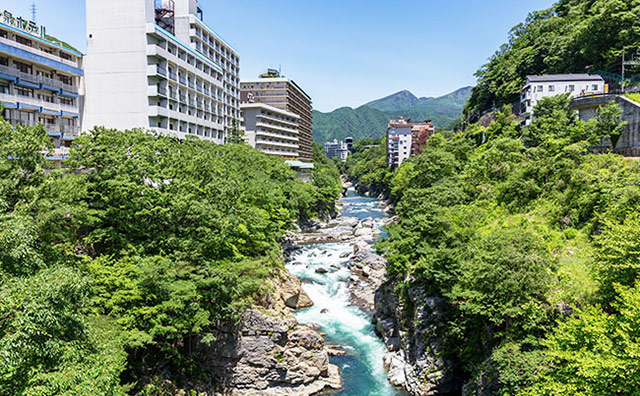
[53, 128]
[38, 51]
[43, 105]
[276, 143]
[35, 79]
[271, 134]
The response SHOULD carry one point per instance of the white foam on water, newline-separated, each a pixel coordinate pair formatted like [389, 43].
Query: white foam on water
[345, 325]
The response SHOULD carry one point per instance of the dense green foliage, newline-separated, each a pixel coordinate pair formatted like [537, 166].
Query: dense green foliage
[513, 235]
[369, 167]
[566, 38]
[371, 120]
[136, 250]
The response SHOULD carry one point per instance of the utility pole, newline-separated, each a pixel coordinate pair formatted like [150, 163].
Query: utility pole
[34, 12]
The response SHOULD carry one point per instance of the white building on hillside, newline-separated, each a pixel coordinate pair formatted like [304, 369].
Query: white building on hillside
[337, 149]
[155, 64]
[539, 87]
[39, 82]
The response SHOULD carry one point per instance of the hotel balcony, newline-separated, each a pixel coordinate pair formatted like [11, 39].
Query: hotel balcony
[38, 51]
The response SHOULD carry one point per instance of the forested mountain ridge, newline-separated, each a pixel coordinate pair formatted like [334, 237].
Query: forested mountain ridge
[371, 120]
[573, 36]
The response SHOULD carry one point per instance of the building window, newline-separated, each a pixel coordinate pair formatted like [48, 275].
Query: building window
[594, 87]
[3, 33]
[23, 67]
[46, 98]
[571, 88]
[24, 41]
[65, 79]
[67, 101]
[4, 87]
[540, 88]
[4, 61]
[552, 88]
[66, 56]
[25, 91]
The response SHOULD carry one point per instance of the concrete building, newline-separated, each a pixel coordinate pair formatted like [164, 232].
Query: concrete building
[271, 130]
[399, 140]
[349, 141]
[539, 87]
[278, 91]
[39, 81]
[337, 149]
[628, 144]
[420, 133]
[155, 64]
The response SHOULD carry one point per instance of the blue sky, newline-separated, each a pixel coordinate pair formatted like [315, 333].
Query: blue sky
[342, 52]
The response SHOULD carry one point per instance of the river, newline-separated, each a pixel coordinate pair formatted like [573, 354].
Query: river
[362, 369]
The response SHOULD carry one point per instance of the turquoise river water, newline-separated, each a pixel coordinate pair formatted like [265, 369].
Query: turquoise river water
[362, 369]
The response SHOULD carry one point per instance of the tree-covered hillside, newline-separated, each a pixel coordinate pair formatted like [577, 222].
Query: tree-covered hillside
[113, 268]
[371, 120]
[573, 36]
[533, 249]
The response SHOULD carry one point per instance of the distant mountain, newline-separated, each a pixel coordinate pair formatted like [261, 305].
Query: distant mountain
[398, 101]
[371, 119]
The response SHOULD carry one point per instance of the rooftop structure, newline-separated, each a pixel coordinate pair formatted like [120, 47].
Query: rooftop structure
[155, 64]
[278, 91]
[39, 81]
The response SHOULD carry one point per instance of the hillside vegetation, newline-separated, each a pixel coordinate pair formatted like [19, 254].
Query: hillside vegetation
[573, 36]
[532, 247]
[371, 120]
[116, 267]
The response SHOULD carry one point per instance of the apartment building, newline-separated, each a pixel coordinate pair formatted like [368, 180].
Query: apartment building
[275, 90]
[539, 87]
[336, 149]
[405, 139]
[155, 64]
[271, 130]
[399, 139]
[39, 81]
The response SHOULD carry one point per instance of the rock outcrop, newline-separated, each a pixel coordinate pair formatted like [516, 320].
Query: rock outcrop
[410, 330]
[271, 354]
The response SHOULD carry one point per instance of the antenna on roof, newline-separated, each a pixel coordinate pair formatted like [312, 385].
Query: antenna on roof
[34, 12]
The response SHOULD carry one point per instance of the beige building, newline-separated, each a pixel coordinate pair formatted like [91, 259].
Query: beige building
[280, 92]
[271, 130]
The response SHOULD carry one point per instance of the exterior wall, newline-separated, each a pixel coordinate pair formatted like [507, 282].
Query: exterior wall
[399, 140]
[533, 92]
[337, 149]
[629, 142]
[139, 75]
[285, 94]
[40, 84]
[420, 134]
[271, 130]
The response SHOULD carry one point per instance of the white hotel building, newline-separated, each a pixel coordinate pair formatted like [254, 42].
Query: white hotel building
[39, 82]
[539, 87]
[155, 64]
[271, 130]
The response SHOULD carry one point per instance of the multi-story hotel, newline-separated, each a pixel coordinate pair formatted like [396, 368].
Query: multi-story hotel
[271, 130]
[39, 80]
[280, 92]
[337, 149]
[405, 139]
[155, 64]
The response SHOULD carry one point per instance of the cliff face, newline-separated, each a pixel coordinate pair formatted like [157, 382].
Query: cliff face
[409, 328]
[269, 353]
